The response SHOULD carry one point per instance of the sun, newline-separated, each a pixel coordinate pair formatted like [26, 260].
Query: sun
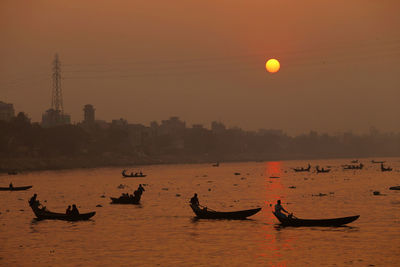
[272, 65]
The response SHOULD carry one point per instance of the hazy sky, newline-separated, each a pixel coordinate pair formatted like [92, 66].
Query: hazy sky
[204, 61]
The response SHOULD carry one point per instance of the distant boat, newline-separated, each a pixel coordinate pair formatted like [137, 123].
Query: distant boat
[373, 161]
[216, 164]
[322, 170]
[205, 213]
[395, 187]
[125, 200]
[15, 188]
[44, 214]
[316, 222]
[353, 167]
[237, 173]
[12, 173]
[302, 169]
[132, 174]
[388, 169]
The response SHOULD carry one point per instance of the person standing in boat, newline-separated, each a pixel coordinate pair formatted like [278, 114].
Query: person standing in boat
[194, 200]
[33, 200]
[279, 209]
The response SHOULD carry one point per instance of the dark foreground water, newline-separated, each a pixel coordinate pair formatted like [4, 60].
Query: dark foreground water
[162, 230]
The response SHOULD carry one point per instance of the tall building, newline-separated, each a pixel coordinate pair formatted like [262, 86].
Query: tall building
[88, 114]
[6, 111]
[54, 117]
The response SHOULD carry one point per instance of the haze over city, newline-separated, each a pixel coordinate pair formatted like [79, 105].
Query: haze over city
[204, 61]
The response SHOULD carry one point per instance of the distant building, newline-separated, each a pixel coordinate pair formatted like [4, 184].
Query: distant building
[217, 127]
[197, 126]
[53, 118]
[6, 111]
[174, 126]
[88, 116]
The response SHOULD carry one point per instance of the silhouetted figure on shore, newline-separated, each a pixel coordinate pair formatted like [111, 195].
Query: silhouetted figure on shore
[68, 211]
[279, 209]
[74, 211]
[194, 200]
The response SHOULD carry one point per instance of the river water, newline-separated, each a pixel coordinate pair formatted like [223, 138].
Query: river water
[162, 230]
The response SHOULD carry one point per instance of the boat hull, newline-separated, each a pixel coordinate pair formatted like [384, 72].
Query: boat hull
[233, 215]
[124, 200]
[316, 222]
[48, 215]
[19, 188]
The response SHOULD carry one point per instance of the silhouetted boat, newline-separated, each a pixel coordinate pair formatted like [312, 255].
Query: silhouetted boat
[15, 188]
[125, 200]
[302, 169]
[216, 164]
[132, 174]
[322, 170]
[12, 173]
[44, 214]
[388, 169]
[395, 187]
[373, 161]
[353, 167]
[316, 222]
[236, 173]
[205, 213]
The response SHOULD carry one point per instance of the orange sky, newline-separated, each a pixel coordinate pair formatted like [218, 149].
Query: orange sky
[204, 60]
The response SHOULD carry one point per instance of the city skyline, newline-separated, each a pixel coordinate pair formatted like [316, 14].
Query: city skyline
[339, 74]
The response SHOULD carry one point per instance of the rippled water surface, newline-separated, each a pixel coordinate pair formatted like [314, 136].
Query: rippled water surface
[162, 230]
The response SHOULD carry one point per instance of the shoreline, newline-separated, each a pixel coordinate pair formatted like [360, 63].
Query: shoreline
[29, 164]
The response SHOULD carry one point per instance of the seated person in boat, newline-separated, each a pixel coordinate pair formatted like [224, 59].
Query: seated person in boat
[74, 210]
[194, 200]
[68, 211]
[279, 209]
[11, 186]
[140, 173]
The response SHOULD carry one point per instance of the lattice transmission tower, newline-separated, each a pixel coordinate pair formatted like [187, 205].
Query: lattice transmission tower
[57, 100]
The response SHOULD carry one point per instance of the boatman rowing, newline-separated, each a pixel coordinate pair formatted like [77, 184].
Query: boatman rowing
[279, 209]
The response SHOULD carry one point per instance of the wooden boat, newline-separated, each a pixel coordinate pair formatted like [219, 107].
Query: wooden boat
[353, 167]
[204, 213]
[322, 170]
[132, 174]
[125, 200]
[15, 188]
[388, 169]
[44, 214]
[395, 187]
[316, 222]
[302, 169]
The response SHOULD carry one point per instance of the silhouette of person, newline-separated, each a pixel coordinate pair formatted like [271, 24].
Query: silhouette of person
[194, 200]
[33, 200]
[279, 209]
[11, 186]
[68, 211]
[74, 210]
